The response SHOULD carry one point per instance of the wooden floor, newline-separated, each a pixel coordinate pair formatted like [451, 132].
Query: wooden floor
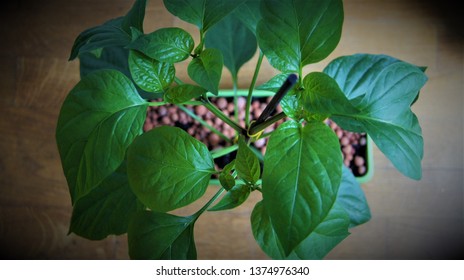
[410, 219]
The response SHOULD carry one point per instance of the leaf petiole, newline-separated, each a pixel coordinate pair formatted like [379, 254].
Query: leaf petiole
[218, 113]
[252, 86]
[208, 204]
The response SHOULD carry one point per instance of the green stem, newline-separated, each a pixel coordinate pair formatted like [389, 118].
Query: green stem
[178, 81]
[162, 103]
[208, 204]
[200, 120]
[250, 90]
[235, 87]
[224, 151]
[218, 113]
[261, 126]
[155, 104]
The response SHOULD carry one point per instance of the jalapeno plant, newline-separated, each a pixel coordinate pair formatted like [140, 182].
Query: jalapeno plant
[124, 180]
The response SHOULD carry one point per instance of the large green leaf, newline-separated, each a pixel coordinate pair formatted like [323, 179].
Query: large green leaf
[295, 33]
[383, 96]
[113, 33]
[109, 34]
[320, 241]
[154, 236]
[246, 163]
[322, 95]
[302, 173]
[106, 209]
[110, 58]
[134, 18]
[233, 198]
[236, 42]
[183, 93]
[249, 13]
[206, 69]
[202, 13]
[264, 233]
[329, 233]
[351, 197]
[354, 73]
[150, 74]
[168, 45]
[98, 120]
[168, 168]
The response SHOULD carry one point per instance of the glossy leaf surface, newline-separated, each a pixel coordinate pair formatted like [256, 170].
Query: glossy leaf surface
[183, 93]
[154, 236]
[168, 168]
[103, 103]
[202, 13]
[233, 198]
[150, 74]
[383, 97]
[236, 42]
[351, 197]
[302, 173]
[293, 34]
[206, 69]
[169, 45]
[246, 163]
[105, 210]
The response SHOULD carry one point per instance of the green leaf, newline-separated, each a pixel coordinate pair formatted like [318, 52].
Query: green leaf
[322, 96]
[109, 34]
[106, 209]
[354, 73]
[274, 83]
[149, 74]
[302, 173]
[168, 45]
[206, 69]
[113, 33]
[227, 181]
[249, 13]
[225, 178]
[329, 232]
[351, 197]
[293, 34]
[110, 58]
[233, 198]
[264, 233]
[321, 240]
[98, 120]
[236, 42]
[202, 13]
[134, 18]
[246, 163]
[168, 168]
[154, 236]
[229, 167]
[383, 96]
[183, 93]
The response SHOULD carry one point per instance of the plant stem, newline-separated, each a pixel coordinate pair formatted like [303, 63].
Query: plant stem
[200, 120]
[235, 86]
[218, 113]
[178, 81]
[252, 86]
[261, 126]
[208, 204]
[162, 103]
[224, 151]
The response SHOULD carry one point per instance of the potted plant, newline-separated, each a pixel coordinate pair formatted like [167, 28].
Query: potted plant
[124, 179]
